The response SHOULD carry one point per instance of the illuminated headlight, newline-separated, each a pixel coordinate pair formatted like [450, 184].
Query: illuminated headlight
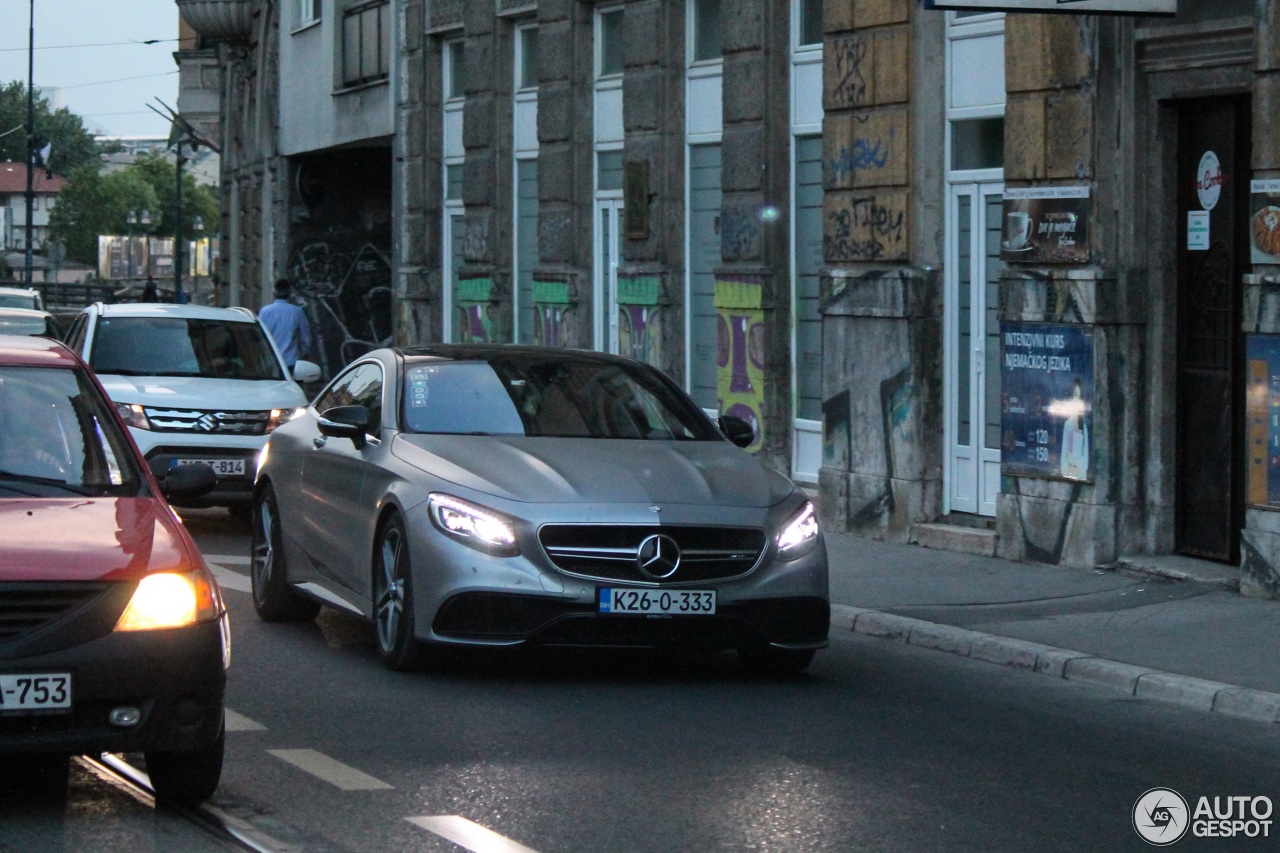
[133, 415]
[476, 526]
[799, 533]
[171, 600]
[282, 416]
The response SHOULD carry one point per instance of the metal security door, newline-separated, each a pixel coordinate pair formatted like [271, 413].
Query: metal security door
[973, 348]
[608, 254]
[1213, 169]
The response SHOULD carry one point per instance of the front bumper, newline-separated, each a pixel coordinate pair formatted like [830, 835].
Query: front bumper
[176, 678]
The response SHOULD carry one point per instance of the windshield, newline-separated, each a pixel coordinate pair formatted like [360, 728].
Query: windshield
[27, 324]
[548, 396]
[58, 437]
[19, 300]
[176, 346]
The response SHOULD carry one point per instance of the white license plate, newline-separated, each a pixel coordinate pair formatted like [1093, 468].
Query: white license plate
[221, 467]
[681, 602]
[37, 691]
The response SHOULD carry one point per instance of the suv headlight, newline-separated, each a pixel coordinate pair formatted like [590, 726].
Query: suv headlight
[133, 415]
[798, 535]
[481, 528]
[171, 600]
[282, 416]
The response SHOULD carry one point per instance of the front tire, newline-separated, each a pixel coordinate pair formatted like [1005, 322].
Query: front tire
[272, 598]
[770, 662]
[186, 778]
[393, 599]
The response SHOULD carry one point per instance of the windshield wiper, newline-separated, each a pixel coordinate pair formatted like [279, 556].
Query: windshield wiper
[13, 476]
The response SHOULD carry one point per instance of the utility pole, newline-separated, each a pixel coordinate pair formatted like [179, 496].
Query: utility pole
[31, 136]
[177, 229]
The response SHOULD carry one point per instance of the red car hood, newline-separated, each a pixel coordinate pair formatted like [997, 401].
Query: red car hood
[86, 539]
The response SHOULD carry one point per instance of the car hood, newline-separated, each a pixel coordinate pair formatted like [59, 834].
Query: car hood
[583, 470]
[87, 539]
[200, 392]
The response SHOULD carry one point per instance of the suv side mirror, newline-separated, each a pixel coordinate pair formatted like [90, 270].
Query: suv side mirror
[306, 371]
[345, 422]
[738, 431]
[188, 481]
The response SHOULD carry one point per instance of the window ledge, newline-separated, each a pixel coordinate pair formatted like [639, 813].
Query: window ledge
[360, 87]
[309, 25]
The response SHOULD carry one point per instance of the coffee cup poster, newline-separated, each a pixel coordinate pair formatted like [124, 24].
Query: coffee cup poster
[1264, 222]
[1046, 400]
[1045, 225]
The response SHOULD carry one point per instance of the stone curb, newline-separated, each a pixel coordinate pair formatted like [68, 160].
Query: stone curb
[1138, 681]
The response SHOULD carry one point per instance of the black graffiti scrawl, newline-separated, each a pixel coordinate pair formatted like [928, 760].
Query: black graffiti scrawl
[347, 297]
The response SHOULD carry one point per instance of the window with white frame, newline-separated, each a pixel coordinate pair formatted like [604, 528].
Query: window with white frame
[707, 35]
[455, 70]
[609, 49]
[308, 12]
[808, 23]
[526, 58]
[366, 42]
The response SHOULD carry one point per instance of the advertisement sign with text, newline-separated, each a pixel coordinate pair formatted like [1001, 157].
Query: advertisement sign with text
[1072, 7]
[1046, 400]
[1045, 225]
[1264, 222]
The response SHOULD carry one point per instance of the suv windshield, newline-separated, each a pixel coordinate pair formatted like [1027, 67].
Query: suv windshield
[178, 346]
[537, 396]
[20, 300]
[57, 436]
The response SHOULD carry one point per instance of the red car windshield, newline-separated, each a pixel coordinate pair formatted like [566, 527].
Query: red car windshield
[57, 437]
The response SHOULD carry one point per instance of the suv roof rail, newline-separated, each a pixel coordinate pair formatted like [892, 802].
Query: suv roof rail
[244, 310]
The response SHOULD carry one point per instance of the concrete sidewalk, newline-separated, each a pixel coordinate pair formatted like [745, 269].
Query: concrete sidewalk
[1194, 643]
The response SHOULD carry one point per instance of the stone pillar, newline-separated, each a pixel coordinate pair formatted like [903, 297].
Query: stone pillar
[411, 180]
[562, 281]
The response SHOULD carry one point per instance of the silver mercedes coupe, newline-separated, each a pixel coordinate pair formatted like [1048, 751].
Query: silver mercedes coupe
[518, 496]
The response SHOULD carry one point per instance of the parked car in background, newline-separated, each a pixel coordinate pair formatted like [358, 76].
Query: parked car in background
[195, 385]
[21, 297]
[29, 321]
[113, 633]
[505, 496]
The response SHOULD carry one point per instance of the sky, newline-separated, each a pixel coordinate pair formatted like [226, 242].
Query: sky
[92, 79]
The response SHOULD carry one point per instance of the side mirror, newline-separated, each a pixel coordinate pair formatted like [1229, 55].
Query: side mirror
[738, 431]
[188, 481]
[306, 371]
[345, 422]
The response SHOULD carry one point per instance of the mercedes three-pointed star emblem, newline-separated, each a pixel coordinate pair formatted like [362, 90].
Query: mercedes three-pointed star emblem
[658, 556]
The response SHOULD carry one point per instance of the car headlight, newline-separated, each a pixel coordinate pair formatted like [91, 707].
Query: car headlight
[282, 416]
[133, 415]
[473, 525]
[798, 535]
[171, 600]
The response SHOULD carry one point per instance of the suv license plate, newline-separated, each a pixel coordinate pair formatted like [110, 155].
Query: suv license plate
[682, 602]
[37, 691]
[221, 467]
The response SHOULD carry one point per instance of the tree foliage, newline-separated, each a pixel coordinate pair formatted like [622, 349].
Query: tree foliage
[72, 145]
[94, 204]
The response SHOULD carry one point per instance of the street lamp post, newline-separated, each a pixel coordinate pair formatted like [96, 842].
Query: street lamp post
[31, 138]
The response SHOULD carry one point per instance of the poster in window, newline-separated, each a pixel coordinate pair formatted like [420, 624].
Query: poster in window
[1046, 398]
[1264, 222]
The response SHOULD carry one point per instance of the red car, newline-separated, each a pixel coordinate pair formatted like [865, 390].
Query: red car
[113, 634]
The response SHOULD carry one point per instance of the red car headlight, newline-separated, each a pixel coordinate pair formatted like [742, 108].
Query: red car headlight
[171, 600]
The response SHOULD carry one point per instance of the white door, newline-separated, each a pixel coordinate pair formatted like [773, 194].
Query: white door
[608, 254]
[973, 348]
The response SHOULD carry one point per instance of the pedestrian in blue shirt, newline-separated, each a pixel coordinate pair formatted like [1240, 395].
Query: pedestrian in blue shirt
[287, 324]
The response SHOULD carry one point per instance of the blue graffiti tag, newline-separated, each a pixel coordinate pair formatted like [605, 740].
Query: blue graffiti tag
[858, 155]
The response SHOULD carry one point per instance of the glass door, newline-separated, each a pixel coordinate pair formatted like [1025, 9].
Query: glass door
[972, 329]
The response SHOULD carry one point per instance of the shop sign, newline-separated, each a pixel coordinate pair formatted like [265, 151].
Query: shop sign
[1046, 225]
[1264, 222]
[1071, 7]
[1197, 230]
[1262, 458]
[1046, 400]
[1209, 180]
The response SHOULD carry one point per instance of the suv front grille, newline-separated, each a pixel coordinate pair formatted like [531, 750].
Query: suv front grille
[207, 422]
[27, 607]
[609, 552]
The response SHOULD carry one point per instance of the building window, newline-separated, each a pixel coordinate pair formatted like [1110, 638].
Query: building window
[708, 41]
[308, 12]
[455, 70]
[366, 42]
[527, 58]
[609, 42]
[809, 29]
[977, 143]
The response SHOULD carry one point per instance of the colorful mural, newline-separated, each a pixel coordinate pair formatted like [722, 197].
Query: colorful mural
[550, 313]
[740, 350]
[471, 309]
[639, 332]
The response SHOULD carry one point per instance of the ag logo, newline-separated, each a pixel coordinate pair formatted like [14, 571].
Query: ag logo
[1160, 816]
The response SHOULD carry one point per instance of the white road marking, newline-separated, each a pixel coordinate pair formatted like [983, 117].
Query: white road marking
[228, 559]
[241, 723]
[329, 770]
[227, 579]
[468, 834]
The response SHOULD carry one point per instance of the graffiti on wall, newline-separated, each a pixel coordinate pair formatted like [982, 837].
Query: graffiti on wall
[865, 227]
[473, 325]
[551, 313]
[347, 297]
[740, 351]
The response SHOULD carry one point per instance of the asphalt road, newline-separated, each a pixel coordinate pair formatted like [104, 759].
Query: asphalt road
[881, 746]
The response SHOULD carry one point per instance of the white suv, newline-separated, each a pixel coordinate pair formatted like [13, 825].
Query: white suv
[194, 384]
